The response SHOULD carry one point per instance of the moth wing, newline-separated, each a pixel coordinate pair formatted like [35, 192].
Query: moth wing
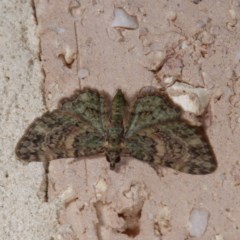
[175, 144]
[150, 109]
[56, 135]
[90, 105]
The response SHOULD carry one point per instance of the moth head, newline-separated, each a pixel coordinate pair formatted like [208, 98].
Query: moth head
[113, 157]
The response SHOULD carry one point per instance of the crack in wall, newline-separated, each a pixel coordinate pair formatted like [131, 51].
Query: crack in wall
[42, 89]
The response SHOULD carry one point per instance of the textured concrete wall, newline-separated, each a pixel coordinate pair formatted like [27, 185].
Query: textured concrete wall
[50, 48]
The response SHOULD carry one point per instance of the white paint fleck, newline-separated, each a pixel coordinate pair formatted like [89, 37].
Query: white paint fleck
[232, 13]
[172, 16]
[191, 99]
[49, 96]
[101, 187]
[219, 237]
[70, 55]
[198, 222]
[155, 60]
[59, 30]
[83, 73]
[65, 196]
[184, 45]
[168, 80]
[123, 20]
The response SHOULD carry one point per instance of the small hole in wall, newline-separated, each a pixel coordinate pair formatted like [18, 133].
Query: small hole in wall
[131, 218]
[132, 232]
[196, 1]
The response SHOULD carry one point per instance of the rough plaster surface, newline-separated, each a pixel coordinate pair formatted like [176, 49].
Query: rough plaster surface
[175, 40]
[23, 215]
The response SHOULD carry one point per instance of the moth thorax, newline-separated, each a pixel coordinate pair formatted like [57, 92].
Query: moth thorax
[115, 134]
[118, 108]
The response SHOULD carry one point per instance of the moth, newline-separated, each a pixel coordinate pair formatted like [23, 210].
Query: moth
[88, 123]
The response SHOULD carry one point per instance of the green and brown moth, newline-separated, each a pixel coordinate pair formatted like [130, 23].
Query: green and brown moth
[88, 124]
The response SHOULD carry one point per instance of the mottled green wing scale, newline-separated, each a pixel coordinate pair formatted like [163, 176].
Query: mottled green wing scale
[173, 144]
[150, 109]
[89, 105]
[57, 135]
[155, 133]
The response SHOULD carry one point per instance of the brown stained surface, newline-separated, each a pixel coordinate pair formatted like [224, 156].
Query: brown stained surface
[194, 43]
